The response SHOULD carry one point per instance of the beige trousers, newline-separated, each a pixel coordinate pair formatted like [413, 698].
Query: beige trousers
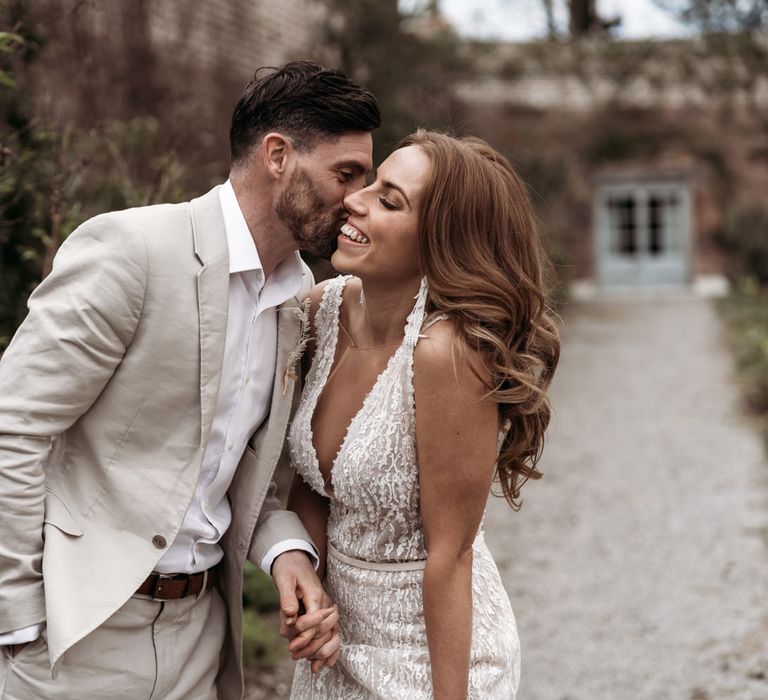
[148, 649]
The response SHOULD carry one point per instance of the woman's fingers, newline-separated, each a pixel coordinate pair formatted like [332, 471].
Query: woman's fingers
[333, 658]
[311, 626]
[312, 647]
[331, 620]
[327, 654]
[313, 619]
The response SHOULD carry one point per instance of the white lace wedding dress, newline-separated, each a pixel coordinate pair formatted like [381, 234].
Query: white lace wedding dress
[376, 547]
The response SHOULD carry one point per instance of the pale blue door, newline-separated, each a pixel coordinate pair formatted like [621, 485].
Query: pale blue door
[643, 233]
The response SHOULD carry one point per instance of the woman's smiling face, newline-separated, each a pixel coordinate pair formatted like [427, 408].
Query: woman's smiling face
[380, 239]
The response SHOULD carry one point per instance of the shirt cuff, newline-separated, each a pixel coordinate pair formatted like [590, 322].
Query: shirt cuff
[286, 545]
[22, 636]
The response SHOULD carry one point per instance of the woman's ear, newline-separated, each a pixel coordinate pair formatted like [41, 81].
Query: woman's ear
[276, 152]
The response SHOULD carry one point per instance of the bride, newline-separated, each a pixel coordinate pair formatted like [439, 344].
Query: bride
[430, 362]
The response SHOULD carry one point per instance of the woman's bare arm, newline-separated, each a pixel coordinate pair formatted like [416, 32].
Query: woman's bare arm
[456, 431]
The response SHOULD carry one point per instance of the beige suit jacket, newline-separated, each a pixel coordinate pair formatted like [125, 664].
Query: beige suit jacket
[107, 394]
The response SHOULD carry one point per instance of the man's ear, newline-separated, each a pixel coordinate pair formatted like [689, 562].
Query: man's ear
[276, 152]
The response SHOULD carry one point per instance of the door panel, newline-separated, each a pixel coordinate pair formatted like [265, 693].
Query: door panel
[642, 234]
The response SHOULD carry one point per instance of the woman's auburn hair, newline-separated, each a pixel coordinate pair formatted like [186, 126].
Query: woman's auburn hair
[485, 265]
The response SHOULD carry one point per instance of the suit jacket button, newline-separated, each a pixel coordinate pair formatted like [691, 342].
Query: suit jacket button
[159, 541]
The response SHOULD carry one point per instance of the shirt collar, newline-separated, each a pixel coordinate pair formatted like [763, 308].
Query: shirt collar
[243, 255]
[242, 250]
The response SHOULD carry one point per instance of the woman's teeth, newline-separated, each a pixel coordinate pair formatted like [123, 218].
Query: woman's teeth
[352, 233]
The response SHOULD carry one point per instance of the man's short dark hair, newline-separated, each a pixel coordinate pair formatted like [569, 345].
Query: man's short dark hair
[305, 101]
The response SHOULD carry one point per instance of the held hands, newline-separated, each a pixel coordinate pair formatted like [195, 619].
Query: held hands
[313, 634]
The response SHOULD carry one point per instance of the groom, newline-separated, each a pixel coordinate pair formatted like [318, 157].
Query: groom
[143, 408]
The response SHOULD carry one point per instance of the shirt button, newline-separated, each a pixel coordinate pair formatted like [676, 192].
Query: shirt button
[159, 541]
[230, 446]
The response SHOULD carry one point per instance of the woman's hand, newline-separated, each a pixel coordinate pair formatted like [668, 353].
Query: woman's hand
[314, 636]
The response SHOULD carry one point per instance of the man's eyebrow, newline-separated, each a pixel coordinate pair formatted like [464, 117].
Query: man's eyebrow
[392, 186]
[354, 165]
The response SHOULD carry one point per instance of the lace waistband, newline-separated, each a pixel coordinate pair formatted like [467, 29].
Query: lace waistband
[415, 565]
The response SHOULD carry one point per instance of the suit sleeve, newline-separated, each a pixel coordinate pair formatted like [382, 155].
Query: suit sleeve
[81, 320]
[275, 526]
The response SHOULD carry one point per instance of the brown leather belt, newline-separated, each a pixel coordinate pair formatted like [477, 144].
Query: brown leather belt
[173, 586]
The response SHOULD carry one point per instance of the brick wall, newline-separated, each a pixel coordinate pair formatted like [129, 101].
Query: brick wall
[242, 34]
[183, 63]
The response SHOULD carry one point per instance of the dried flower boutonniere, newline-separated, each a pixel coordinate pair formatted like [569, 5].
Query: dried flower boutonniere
[298, 351]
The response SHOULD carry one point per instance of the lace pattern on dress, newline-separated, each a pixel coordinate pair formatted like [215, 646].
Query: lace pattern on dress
[375, 517]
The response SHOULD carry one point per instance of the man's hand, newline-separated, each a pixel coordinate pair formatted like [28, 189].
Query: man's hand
[313, 633]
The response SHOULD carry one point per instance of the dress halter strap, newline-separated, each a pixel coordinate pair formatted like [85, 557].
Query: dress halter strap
[416, 317]
[332, 300]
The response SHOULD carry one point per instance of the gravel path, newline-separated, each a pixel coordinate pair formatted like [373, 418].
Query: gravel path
[637, 567]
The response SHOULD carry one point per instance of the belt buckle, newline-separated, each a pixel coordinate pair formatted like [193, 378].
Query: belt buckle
[169, 577]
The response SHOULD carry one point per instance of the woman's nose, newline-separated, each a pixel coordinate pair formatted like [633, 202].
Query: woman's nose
[354, 202]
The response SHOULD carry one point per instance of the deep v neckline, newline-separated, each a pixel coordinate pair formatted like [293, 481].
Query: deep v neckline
[408, 337]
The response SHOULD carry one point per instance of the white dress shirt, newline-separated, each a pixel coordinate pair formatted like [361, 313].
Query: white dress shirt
[245, 394]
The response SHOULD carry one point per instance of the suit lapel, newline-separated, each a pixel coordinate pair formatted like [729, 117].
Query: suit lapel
[288, 335]
[212, 299]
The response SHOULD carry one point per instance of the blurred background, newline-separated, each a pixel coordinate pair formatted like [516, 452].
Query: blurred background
[641, 127]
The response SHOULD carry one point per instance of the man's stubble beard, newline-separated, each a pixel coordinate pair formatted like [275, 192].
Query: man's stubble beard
[301, 208]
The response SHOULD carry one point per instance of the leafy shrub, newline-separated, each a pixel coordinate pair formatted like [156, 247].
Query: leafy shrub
[745, 238]
[746, 310]
[54, 176]
[259, 592]
[262, 645]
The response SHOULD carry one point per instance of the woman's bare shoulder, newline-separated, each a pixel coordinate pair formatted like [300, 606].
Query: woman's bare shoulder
[316, 293]
[442, 358]
[350, 294]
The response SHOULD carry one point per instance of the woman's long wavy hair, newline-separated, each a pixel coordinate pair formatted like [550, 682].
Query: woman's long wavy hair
[481, 252]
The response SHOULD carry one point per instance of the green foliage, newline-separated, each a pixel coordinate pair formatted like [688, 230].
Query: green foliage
[746, 311]
[53, 177]
[745, 238]
[262, 645]
[9, 42]
[259, 592]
